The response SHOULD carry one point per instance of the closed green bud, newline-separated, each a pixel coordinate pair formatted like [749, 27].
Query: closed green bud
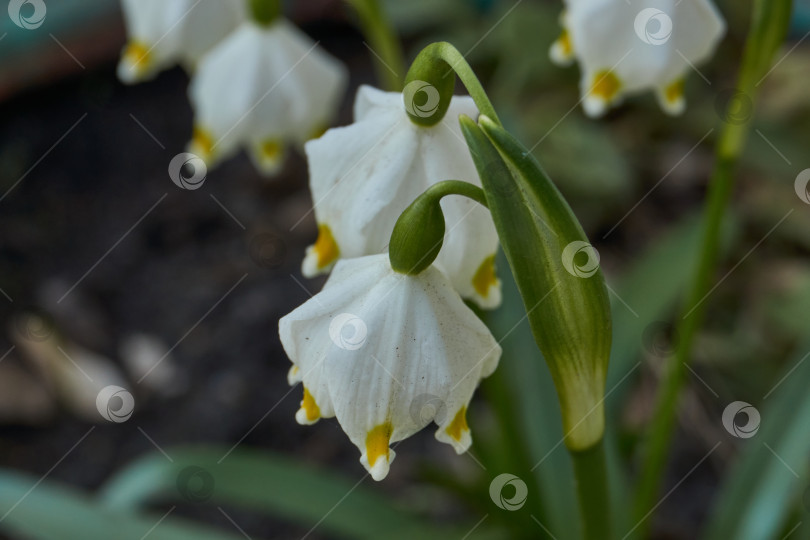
[557, 272]
[429, 86]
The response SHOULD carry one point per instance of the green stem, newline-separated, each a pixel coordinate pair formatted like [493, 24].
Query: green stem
[264, 12]
[437, 64]
[383, 42]
[770, 22]
[592, 491]
[456, 187]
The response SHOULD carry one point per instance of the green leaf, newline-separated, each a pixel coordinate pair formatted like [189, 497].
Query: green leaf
[47, 511]
[274, 484]
[566, 300]
[772, 470]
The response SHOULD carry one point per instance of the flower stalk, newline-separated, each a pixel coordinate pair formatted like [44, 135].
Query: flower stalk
[590, 474]
[383, 42]
[419, 232]
[770, 24]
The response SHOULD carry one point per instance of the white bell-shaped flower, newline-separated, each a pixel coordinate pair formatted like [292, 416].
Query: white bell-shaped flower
[628, 46]
[387, 354]
[364, 175]
[166, 32]
[261, 87]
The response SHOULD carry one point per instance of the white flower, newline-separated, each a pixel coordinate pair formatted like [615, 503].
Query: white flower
[260, 87]
[387, 354]
[626, 47]
[165, 32]
[364, 175]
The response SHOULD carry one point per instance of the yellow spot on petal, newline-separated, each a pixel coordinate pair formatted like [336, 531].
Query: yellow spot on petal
[564, 42]
[674, 91]
[294, 370]
[485, 277]
[202, 142]
[311, 408]
[606, 85]
[325, 247]
[377, 443]
[137, 55]
[271, 150]
[458, 426]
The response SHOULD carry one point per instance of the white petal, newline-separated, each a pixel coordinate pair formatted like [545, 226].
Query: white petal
[388, 342]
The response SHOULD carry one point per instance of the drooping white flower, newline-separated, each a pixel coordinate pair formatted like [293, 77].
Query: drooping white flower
[387, 354]
[260, 87]
[628, 46]
[364, 175]
[166, 32]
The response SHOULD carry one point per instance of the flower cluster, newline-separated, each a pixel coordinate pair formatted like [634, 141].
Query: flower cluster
[626, 47]
[255, 84]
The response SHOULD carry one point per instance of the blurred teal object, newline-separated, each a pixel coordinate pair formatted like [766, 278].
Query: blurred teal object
[800, 24]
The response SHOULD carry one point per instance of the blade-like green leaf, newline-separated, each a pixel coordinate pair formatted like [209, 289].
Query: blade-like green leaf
[273, 484]
[755, 501]
[46, 511]
[565, 298]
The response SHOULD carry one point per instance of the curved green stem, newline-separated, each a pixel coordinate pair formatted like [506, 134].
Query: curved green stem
[770, 22]
[592, 491]
[437, 64]
[383, 42]
[419, 231]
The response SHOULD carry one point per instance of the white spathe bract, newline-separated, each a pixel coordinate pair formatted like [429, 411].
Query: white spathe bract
[625, 47]
[166, 32]
[387, 354]
[261, 87]
[364, 175]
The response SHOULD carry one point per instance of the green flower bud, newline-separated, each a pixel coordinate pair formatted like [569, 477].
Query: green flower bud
[557, 273]
[419, 231]
[429, 87]
[264, 12]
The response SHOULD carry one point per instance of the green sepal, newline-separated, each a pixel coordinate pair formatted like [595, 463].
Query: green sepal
[565, 297]
[265, 12]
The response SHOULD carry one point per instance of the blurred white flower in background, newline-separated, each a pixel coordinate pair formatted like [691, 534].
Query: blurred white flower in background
[626, 47]
[364, 175]
[261, 87]
[373, 343]
[162, 33]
